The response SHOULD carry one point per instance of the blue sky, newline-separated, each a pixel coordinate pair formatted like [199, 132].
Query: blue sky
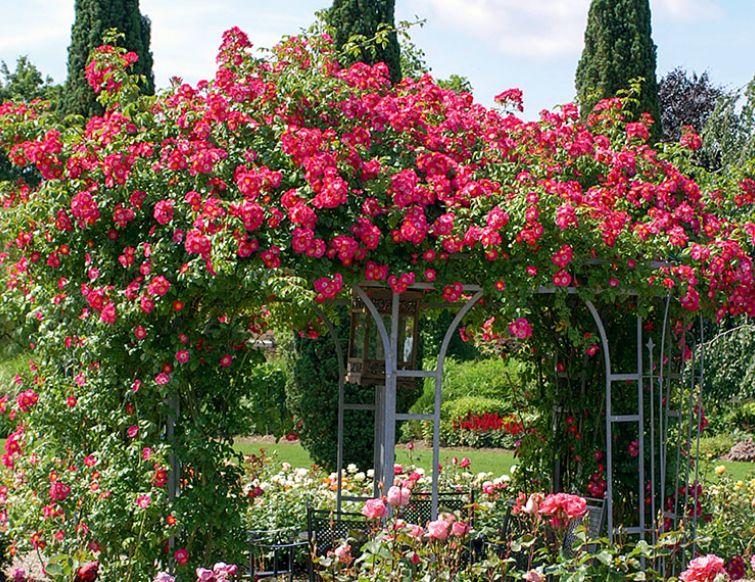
[496, 44]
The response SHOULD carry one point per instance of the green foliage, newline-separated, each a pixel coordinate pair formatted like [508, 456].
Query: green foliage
[469, 386]
[456, 83]
[365, 31]
[712, 447]
[618, 48]
[729, 529]
[492, 378]
[25, 82]
[729, 135]
[413, 63]
[312, 397]
[730, 365]
[433, 327]
[743, 417]
[466, 405]
[267, 400]
[93, 18]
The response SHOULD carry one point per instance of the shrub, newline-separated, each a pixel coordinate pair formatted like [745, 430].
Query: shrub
[268, 382]
[730, 366]
[477, 386]
[312, 396]
[713, 447]
[743, 416]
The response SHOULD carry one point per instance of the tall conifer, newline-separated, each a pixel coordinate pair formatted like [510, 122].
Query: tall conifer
[618, 48]
[363, 18]
[93, 18]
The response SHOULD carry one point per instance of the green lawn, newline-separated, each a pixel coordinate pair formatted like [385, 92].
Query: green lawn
[734, 470]
[496, 462]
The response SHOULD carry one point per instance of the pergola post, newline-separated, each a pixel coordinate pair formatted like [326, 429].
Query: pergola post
[385, 405]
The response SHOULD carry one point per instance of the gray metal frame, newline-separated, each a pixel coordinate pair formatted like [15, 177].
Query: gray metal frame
[384, 407]
[667, 387]
[666, 383]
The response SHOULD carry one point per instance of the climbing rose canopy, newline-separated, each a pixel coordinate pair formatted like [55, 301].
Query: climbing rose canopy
[167, 232]
[293, 168]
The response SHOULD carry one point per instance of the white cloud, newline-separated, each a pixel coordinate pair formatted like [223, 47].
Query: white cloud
[688, 9]
[539, 28]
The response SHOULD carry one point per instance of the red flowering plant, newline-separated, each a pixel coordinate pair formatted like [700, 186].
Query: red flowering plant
[163, 229]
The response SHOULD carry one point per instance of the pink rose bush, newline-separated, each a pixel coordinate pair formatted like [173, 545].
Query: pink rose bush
[394, 544]
[241, 202]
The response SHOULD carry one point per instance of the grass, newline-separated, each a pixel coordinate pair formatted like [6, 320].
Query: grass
[735, 470]
[496, 462]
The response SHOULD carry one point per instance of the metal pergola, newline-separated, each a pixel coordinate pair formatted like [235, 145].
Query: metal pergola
[666, 416]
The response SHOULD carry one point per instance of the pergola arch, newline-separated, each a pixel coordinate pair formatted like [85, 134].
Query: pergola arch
[647, 376]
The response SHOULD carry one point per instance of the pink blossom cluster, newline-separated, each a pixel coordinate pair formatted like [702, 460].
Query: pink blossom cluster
[703, 569]
[560, 508]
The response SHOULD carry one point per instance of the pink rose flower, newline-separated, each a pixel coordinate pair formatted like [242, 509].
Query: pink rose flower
[563, 508]
[438, 529]
[159, 285]
[164, 211]
[459, 529]
[223, 570]
[343, 554]
[59, 491]
[520, 328]
[181, 555]
[703, 569]
[143, 501]
[374, 509]
[533, 504]
[398, 496]
[88, 572]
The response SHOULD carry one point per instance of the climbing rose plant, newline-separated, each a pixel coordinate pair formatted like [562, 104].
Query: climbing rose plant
[172, 230]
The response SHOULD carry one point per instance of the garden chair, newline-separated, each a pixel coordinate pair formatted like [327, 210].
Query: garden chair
[593, 521]
[508, 527]
[275, 553]
[419, 510]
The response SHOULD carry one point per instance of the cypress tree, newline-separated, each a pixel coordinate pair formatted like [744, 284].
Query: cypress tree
[618, 48]
[350, 18]
[93, 19]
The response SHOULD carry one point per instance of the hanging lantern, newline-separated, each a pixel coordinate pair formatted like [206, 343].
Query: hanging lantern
[366, 363]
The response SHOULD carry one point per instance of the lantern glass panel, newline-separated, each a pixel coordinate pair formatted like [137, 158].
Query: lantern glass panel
[406, 339]
[375, 343]
[358, 330]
